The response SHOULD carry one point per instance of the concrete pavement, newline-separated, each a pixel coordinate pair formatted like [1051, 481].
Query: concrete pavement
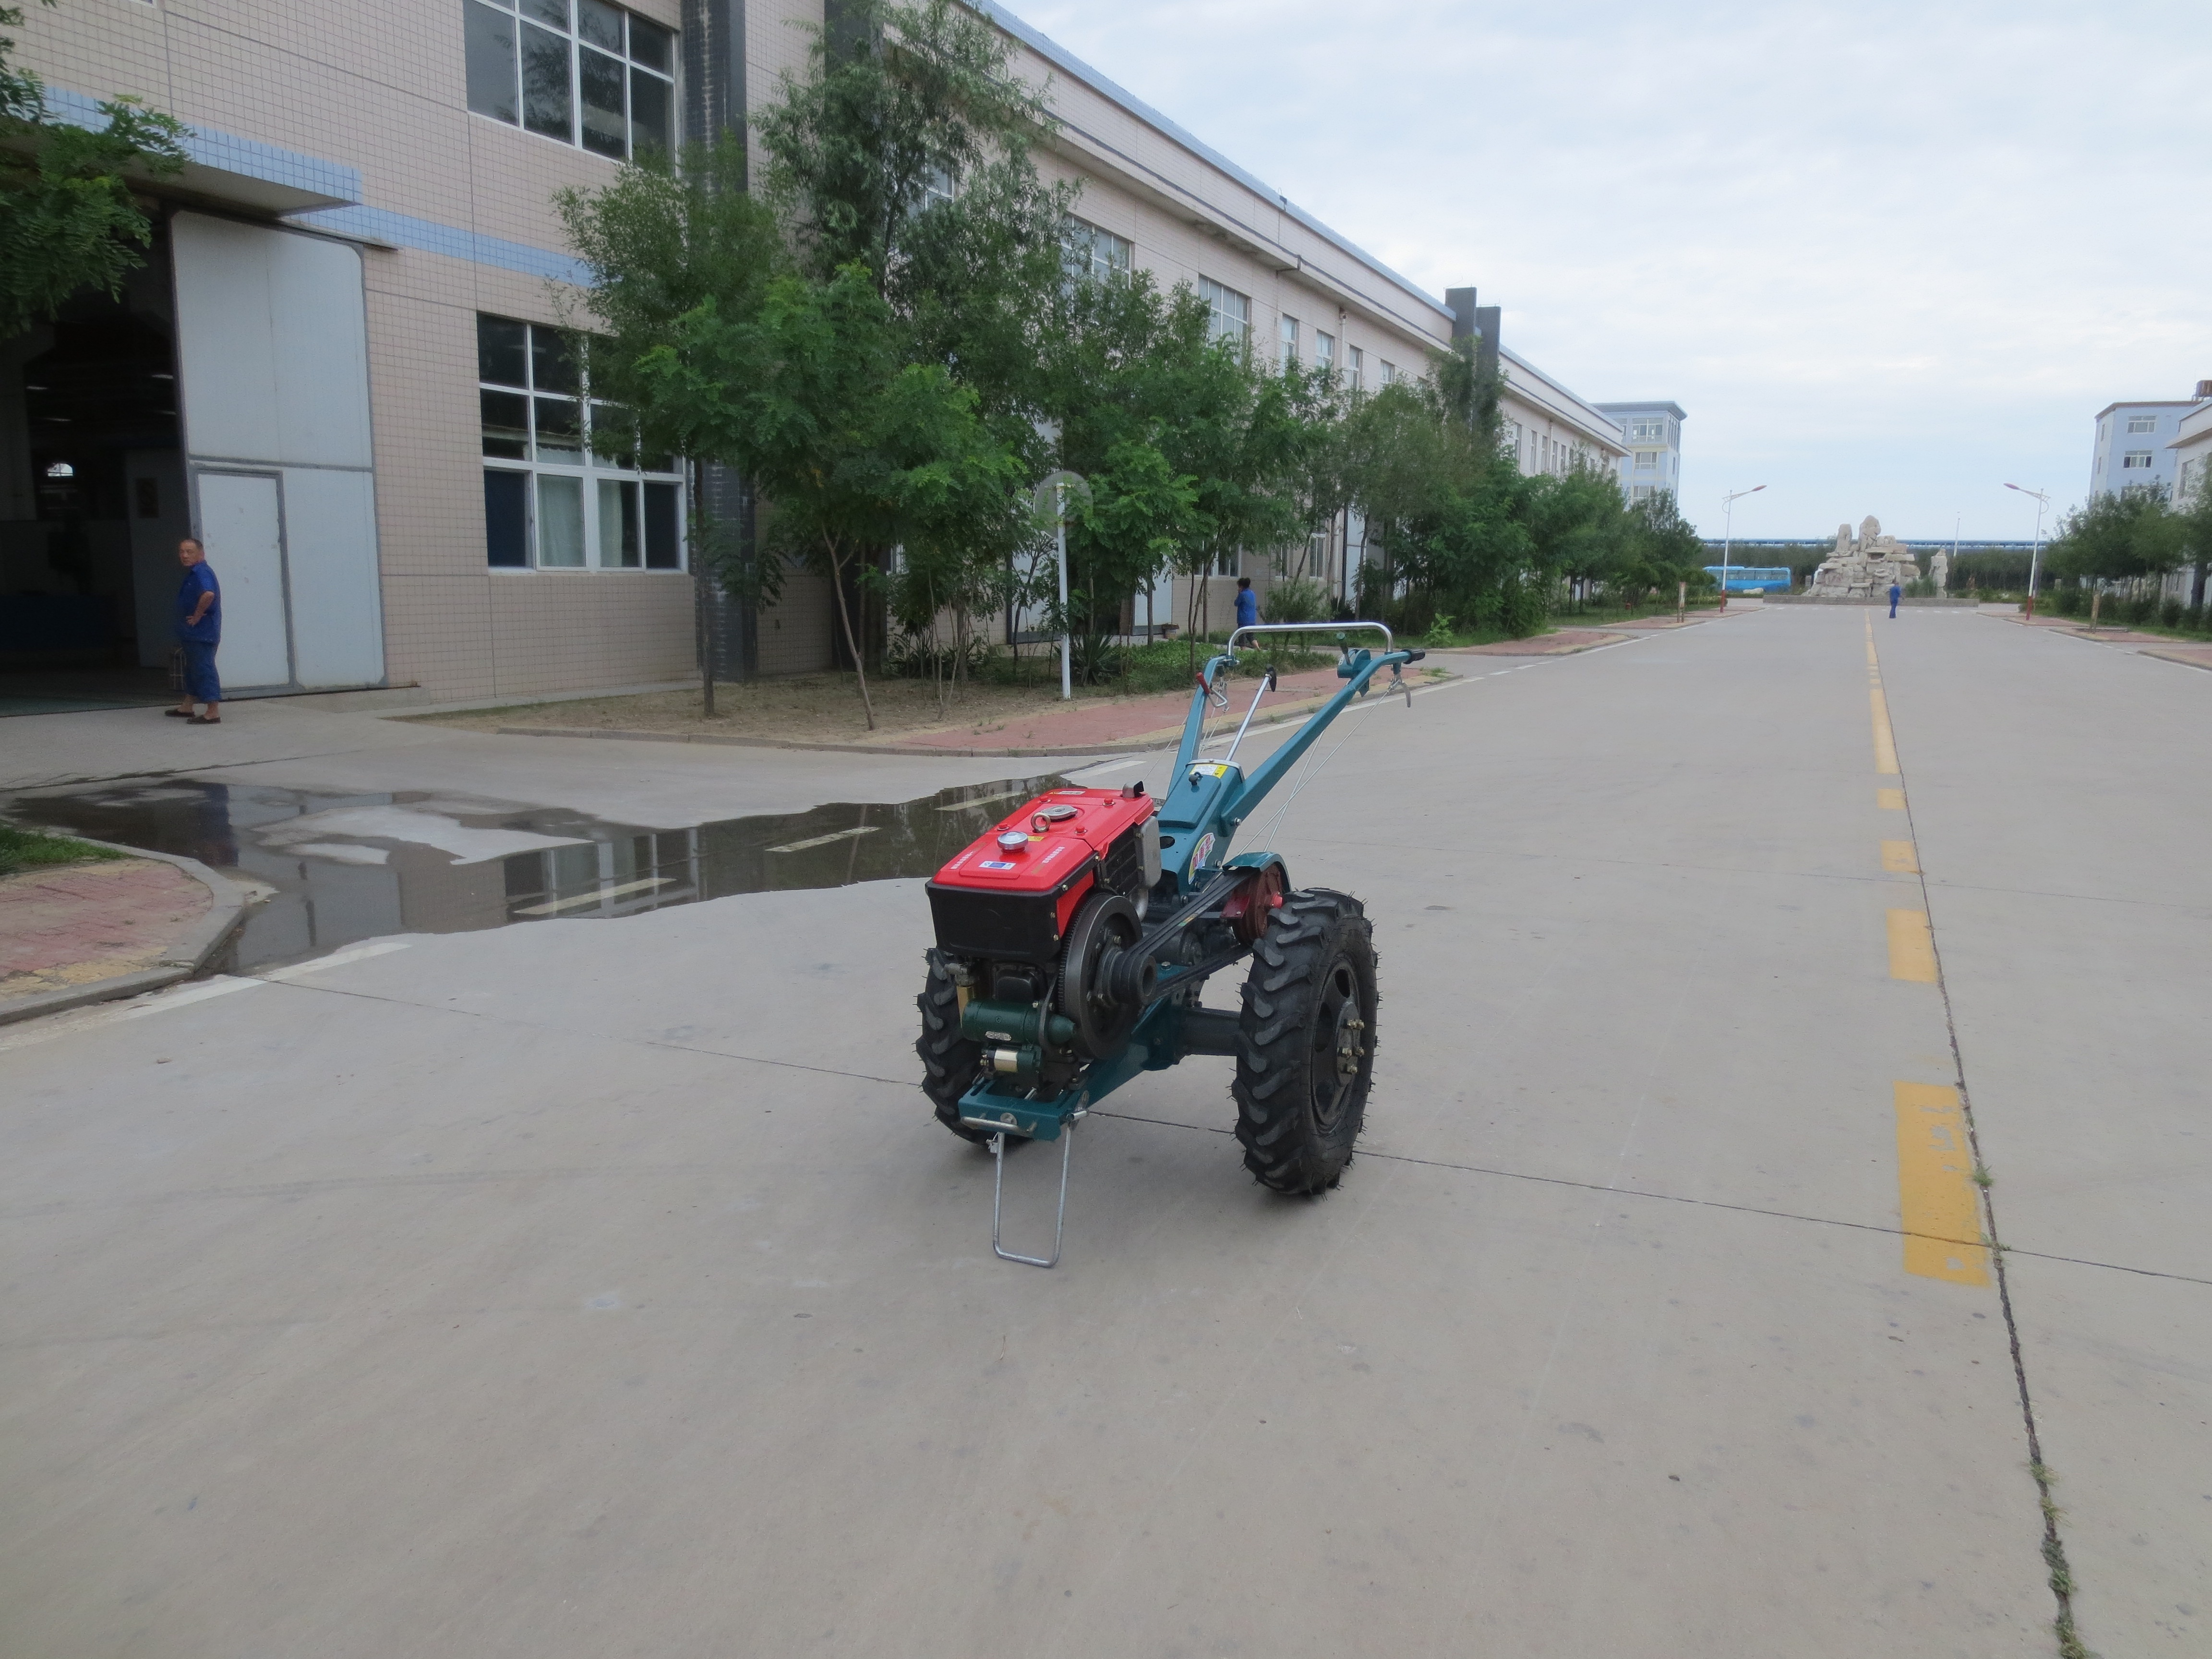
[593, 1287]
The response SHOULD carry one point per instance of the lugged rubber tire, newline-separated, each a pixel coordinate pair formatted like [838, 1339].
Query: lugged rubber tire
[949, 1061]
[1302, 1069]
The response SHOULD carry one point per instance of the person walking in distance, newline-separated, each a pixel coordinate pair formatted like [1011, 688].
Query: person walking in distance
[1248, 604]
[1895, 594]
[199, 631]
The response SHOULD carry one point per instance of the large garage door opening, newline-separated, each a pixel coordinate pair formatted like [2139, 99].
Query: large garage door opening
[92, 499]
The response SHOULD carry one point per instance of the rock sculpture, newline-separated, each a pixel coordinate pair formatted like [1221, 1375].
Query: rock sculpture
[1862, 566]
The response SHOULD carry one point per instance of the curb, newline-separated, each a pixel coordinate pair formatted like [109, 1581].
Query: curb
[226, 909]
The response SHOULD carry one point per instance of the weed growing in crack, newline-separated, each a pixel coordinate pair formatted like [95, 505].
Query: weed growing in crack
[1982, 1178]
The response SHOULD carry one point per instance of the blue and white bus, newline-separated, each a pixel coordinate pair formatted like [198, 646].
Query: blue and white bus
[1753, 578]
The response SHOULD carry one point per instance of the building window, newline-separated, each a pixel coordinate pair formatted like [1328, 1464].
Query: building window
[1641, 492]
[1355, 368]
[2134, 460]
[2142, 423]
[1648, 432]
[1289, 328]
[1647, 460]
[1389, 370]
[1230, 312]
[1325, 352]
[567, 488]
[1086, 250]
[581, 71]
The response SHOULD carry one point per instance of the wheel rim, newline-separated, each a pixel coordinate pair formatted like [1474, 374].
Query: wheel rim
[1339, 1053]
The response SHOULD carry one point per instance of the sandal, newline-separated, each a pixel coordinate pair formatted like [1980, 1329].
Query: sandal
[202, 719]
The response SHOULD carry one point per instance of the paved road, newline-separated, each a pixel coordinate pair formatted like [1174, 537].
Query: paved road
[586, 1288]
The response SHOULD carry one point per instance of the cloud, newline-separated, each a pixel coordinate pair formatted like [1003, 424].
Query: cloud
[1888, 256]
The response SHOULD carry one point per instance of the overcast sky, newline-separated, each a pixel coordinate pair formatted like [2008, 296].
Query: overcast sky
[1888, 256]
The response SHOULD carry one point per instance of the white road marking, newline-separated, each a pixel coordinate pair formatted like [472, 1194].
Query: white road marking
[598, 894]
[823, 841]
[339, 959]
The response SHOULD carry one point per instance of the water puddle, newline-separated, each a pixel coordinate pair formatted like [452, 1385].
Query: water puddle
[348, 868]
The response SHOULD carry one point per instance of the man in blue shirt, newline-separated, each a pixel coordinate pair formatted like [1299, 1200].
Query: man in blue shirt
[199, 631]
[1248, 604]
[1895, 594]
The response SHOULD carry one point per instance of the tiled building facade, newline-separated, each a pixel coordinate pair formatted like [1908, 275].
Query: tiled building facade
[402, 488]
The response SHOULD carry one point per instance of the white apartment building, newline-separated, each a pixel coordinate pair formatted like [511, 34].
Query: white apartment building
[2191, 450]
[2134, 443]
[1653, 433]
[340, 365]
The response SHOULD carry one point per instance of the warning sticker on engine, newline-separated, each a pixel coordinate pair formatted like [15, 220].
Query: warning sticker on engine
[993, 864]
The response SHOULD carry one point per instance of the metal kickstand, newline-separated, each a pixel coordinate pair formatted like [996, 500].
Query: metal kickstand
[999, 1188]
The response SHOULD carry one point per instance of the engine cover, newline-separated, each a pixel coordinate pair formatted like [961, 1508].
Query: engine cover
[1009, 895]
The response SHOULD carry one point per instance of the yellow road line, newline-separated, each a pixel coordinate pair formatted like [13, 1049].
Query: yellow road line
[1885, 746]
[1912, 949]
[1935, 1195]
[1890, 800]
[1898, 859]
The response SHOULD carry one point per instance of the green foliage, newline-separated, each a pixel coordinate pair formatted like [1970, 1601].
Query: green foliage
[69, 221]
[2114, 538]
[1295, 599]
[33, 849]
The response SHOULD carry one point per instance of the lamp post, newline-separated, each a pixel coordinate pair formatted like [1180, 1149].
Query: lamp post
[1060, 483]
[1728, 532]
[2034, 559]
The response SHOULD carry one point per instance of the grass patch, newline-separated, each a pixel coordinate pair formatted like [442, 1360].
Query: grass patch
[24, 849]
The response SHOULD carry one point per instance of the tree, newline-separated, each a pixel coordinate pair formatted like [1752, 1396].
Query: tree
[906, 147]
[858, 450]
[2121, 536]
[2193, 510]
[68, 219]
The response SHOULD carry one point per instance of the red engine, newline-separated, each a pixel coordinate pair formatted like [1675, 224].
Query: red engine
[1009, 895]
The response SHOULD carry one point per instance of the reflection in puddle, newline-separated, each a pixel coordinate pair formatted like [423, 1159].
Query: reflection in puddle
[349, 867]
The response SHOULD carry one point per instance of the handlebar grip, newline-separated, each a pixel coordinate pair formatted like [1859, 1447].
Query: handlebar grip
[1415, 656]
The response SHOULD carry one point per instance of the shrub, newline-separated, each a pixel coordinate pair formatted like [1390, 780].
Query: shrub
[1440, 633]
[1295, 599]
[2066, 600]
[2140, 609]
[919, 657]
[2171, 613]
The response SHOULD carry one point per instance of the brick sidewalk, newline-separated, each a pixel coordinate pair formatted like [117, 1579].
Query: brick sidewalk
[73, 925]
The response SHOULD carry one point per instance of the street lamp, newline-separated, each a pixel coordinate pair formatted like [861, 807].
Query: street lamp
[1060, 483]
[2034, 559]
[1728, 533]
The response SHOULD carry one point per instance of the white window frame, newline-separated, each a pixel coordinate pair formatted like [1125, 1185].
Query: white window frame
[2139, 425]
[1094, 252]
[1324, 351]
[1229, 311]
[1286, 331]
[590, 469]
[2134, 460]
[534, 15]
[1355, 368]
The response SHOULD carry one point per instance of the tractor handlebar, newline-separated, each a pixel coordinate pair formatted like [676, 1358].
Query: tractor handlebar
[1310, 628]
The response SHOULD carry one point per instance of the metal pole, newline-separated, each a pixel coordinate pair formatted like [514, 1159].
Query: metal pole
[1060, 546]
[1728, 540]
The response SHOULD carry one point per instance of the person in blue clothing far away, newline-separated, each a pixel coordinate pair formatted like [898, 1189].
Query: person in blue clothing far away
[199, 631]
[1248, 604]
[1895, 594]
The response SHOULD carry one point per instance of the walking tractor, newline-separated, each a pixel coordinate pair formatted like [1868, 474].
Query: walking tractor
[1074, 940]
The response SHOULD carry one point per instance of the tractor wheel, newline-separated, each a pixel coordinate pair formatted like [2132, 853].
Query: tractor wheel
[1306, 1050]
[949, 1061]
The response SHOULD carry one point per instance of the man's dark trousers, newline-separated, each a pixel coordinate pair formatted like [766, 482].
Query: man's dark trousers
[200, 681]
